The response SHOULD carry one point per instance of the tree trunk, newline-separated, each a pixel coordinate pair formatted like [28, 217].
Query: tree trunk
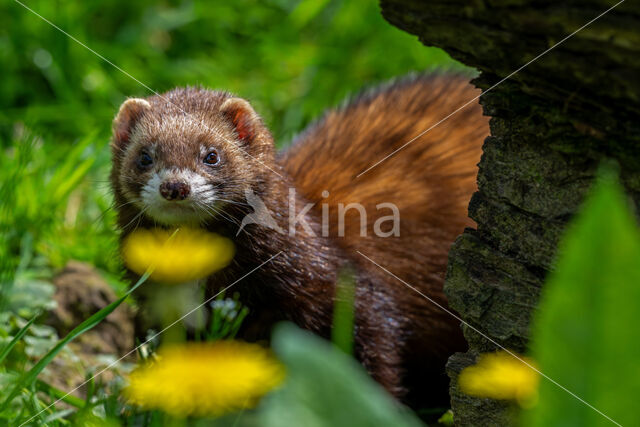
[552, 123]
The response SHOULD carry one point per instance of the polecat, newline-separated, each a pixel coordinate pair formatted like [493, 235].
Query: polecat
[196, 156]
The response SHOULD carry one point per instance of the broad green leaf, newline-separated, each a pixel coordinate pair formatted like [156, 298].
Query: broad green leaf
[586, 335]
[325, 387]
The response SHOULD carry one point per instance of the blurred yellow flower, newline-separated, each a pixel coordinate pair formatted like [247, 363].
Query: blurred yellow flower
[501, 376]
[205, 379]
[189, 254]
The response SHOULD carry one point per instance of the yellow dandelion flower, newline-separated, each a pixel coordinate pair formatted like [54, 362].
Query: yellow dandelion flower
[501, 376]
[205, 379]
[187, 255]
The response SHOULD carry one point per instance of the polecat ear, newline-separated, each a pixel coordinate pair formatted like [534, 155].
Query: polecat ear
[130, 111]
[242, 116]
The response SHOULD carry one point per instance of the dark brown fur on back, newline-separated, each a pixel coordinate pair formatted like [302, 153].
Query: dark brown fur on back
[402, 338]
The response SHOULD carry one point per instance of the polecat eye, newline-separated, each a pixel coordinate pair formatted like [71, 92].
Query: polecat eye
[144, 160]
[212, 158]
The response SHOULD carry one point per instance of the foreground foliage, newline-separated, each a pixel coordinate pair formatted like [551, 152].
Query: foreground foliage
[584, 346]
[584, 335]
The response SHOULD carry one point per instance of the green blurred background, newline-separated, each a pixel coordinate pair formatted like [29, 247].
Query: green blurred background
[291, 59]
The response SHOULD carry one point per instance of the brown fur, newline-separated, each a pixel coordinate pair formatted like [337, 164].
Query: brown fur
[402, 339]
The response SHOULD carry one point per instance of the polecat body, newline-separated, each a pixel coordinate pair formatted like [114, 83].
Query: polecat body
[193, 156]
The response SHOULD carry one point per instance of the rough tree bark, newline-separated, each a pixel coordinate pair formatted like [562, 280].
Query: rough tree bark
[552, 123]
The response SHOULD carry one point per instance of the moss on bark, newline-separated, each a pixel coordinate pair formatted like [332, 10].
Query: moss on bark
[552, 123]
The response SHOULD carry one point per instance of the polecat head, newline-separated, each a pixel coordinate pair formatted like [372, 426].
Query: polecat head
[184, 156]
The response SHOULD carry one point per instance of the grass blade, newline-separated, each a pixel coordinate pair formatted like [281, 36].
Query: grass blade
[343, 312]
[18, 337]
[59, 394]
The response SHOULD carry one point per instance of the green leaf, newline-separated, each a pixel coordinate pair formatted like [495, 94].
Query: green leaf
[72, 180]
[67, 173]
[16, 339]
[342, 331]
[325, 387]
[59, 394]
[307, 10]
[586, 335]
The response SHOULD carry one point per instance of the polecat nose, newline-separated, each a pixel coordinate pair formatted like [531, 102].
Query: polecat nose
[174, 190]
